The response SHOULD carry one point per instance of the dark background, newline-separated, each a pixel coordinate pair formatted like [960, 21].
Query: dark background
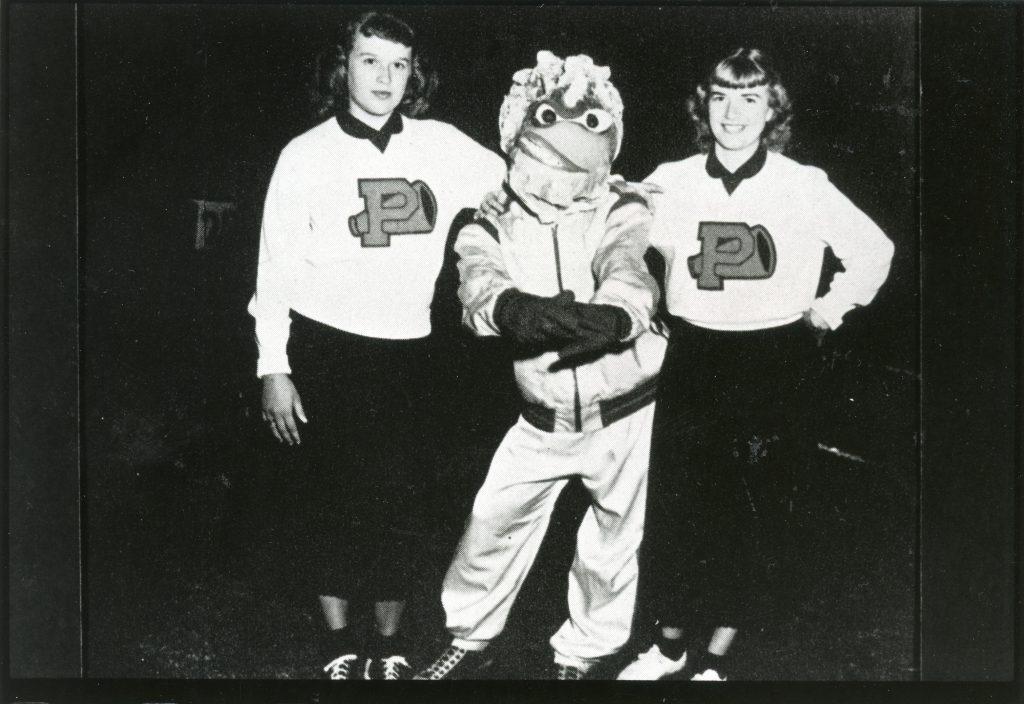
[180, 102]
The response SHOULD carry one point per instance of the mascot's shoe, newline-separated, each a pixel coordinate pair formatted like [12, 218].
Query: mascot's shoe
[652, 665]
[456, 663]
[569, 672]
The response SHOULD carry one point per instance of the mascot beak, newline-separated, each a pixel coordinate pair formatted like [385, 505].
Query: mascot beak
[568, 146]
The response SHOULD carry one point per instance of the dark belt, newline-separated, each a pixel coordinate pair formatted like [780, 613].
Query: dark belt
[612, 409]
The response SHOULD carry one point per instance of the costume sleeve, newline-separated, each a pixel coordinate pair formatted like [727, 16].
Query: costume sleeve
[864, 250]
[281, 239]
[619, 267]
[482, 274]
[658, 180]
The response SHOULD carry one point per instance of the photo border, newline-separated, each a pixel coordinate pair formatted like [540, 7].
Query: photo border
[969, 531]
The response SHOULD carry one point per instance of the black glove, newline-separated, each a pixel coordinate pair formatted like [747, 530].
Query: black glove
[604, 327]
[536, 321]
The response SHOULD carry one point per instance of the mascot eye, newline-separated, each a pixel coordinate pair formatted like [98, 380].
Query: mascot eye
[545, 115]
[596, 120]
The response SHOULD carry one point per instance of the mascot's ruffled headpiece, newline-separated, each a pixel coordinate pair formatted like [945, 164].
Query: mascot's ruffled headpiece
[576, 79]
[561, 125]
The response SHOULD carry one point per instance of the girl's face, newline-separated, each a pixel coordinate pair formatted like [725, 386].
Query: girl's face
[378, 71]
[738, 116]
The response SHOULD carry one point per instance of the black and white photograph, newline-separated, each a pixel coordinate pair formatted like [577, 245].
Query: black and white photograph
[672, 348]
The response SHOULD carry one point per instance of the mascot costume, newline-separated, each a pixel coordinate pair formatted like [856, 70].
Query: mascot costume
[562, 275]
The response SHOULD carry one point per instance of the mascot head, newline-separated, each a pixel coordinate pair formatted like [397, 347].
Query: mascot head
[561, 125]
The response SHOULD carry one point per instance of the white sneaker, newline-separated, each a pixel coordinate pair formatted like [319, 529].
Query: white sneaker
[394, 667]
[708, 675]
[652, 665]
[340, 668]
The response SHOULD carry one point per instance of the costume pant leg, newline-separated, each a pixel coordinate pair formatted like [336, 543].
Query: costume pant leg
[509, 518]
[603, 579]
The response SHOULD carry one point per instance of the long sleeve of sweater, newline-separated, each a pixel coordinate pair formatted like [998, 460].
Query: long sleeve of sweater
[281, 242]
[864, 250]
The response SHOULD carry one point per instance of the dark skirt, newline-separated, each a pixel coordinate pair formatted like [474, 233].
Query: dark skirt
[369, 460]
[730, 426]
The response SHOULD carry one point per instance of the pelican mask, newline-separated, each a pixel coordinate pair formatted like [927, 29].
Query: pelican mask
[561, 125]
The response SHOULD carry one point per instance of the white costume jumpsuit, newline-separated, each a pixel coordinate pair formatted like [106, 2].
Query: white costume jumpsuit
[591, 421]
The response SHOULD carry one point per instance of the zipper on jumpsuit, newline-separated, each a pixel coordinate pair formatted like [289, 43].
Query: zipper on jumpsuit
[577, 406]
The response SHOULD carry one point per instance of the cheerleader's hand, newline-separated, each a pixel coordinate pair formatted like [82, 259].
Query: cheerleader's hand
[643, 190]
[281, 407]
[495, 203]
[817, 324]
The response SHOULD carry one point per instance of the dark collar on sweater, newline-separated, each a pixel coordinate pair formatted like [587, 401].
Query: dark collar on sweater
[355, 127]
[731, 180]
